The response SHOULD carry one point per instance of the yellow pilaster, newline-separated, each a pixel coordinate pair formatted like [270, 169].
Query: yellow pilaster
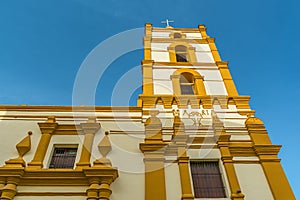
[200, 89]
[214, 50]
[47, 130]
[155, 188]
[192, 54]
[186, 188]
[226, 157]
[147, 77]
[153, 149]
[180, 140]
[148, 29]
[202, 30]
[89, 129]
[176, 84]
[267, 154]
[147, 41]
[236, 193]
[172, 53]
[226, 76]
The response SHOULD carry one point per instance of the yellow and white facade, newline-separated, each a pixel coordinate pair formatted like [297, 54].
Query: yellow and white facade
[190, 111]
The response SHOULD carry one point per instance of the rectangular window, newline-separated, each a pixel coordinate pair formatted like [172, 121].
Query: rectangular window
[63, 158]
[207, 179]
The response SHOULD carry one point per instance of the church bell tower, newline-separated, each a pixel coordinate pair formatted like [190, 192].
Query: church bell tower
[197, 126]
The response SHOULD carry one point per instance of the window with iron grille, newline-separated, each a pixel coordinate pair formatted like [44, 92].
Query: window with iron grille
[63, 158]
[207, 179]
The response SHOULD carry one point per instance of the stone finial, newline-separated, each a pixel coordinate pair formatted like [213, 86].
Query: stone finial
[22, 147]
[25, 145]
[104, 146]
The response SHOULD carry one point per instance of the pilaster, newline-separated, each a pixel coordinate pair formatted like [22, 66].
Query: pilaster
[47, 128]
[270, 162]
[89, 129]
[226, 76]
[154, 149]
[180, 140]
[223, 140]
[147, 66]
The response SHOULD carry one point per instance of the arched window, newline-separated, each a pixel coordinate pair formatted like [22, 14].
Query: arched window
[181, 53]
[187, 83]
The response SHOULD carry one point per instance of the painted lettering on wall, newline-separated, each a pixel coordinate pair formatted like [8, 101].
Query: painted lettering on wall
[195, 115]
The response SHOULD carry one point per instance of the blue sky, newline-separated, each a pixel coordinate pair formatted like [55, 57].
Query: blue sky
[43, 43]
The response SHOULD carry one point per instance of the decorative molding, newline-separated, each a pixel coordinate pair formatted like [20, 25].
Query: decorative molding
[171, 40]
[149, 101]
[186, 30]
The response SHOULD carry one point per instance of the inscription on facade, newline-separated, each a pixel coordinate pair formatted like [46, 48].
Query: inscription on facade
[195, 115]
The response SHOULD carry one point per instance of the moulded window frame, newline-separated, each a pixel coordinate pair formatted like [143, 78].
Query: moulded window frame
[190, 52]
[199, 87]
[54, 146]
[223, 177]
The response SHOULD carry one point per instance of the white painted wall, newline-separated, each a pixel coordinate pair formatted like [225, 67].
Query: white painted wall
[253, 182]
[129, 186]
[172, 178]
[193, 35]
[205, 57]
[125, 154]
[215, 88]
[210, 75]
[160, 56]
[201, 47]
[163, 87]
[163, 73]
[160, 46]
[11, 133]
[196, 154]
[122, 126]
[156, 34]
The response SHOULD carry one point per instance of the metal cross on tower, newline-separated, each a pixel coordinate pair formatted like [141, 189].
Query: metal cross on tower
[167, 22]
